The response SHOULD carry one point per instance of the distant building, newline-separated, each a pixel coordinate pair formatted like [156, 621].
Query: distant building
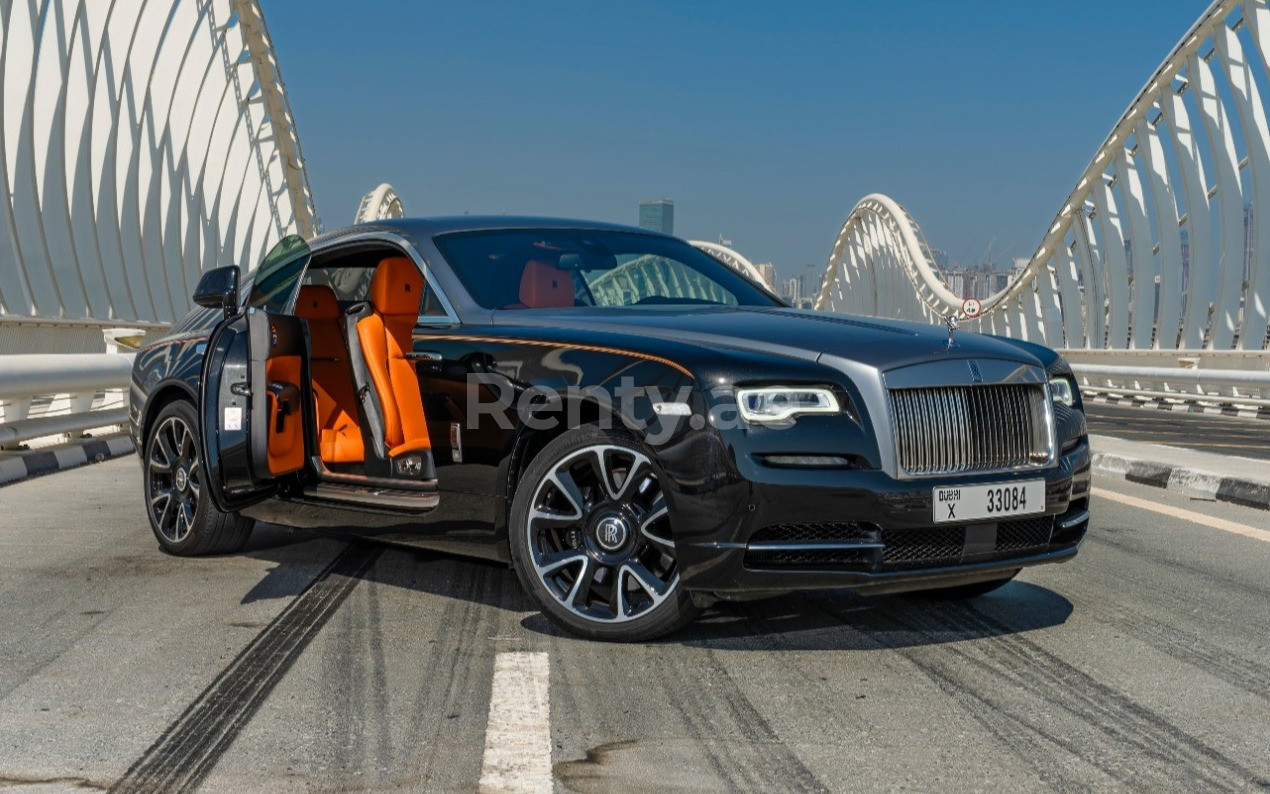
[792, 290]
[811, 282]
[657, 215]
[768, 271]
[976, 282]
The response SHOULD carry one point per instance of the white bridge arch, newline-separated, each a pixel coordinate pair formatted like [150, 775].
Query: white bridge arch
[380, 204]
[730, 257]
[1164, 243]
[141, 144]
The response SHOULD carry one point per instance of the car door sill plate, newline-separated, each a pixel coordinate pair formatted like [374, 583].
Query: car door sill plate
[979, 502]
[373, 497]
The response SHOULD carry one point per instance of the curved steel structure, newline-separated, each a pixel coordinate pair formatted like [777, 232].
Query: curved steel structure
[731, 258]
[1163, 244]
[880, 266]
[380, 204]
[142, 143]
[653, 275]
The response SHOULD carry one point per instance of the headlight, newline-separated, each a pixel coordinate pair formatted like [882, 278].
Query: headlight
[1062, 391]
[777, 404]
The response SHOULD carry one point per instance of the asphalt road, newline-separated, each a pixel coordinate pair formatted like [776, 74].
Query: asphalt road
[305, 664]
[1207, 432]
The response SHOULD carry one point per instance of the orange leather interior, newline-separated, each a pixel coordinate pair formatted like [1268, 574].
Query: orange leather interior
[396, 288]
[339, 435]
[286, 446]
[543, 285]
[385, 337]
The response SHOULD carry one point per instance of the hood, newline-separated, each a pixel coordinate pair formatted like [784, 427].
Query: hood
[808, 335]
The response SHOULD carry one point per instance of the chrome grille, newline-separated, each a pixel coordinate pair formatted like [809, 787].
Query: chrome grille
[956, 429]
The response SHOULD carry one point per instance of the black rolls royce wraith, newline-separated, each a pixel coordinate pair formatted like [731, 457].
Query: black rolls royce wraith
[635, 427]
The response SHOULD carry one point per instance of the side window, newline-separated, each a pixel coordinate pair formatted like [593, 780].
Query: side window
[350, 277]
[431, 310]
[275, 280]
[351, 284]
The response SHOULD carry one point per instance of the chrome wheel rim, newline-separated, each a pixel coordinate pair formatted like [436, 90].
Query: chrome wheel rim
[173, 479]
[599, 535]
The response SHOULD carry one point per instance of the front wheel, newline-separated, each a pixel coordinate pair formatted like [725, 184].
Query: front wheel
[591, 539]
[182, 516]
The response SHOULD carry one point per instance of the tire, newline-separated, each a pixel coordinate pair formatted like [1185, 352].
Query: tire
[964, 591]
[181, 513]
[598, 559]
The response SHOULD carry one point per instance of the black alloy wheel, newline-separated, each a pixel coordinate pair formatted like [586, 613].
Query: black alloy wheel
[591, 539]
[181, 514]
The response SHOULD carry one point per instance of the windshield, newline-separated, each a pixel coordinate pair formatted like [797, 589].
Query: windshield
[558, 268]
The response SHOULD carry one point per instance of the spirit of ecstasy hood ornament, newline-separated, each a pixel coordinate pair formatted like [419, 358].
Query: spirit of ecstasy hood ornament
[952, 322]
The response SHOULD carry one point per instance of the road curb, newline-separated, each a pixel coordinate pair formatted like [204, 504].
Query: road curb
[18, 466]
[1180, 404]
[1193, 482]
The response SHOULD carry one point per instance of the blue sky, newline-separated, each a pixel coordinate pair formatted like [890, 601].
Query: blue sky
[765, 122]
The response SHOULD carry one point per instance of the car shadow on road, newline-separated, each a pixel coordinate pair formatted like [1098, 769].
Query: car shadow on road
[298, 557]
[813, 620]
[433, 573]
[843, 620]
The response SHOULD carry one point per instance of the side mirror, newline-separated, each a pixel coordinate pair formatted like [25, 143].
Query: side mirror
[218, 289]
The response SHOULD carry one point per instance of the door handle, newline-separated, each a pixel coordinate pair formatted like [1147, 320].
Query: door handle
[424, 355]
[287, 398]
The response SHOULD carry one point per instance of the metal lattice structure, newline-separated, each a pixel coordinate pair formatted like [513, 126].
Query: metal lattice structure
[732, 258]
[380, 204]
[142, 143]
[880, 266]
[1163, 244]
[653, 275]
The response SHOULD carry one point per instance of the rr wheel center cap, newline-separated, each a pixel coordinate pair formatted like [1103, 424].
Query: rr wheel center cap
[611, 533]
[182, 479]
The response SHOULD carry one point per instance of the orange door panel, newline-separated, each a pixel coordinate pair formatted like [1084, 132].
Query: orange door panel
[286, 420]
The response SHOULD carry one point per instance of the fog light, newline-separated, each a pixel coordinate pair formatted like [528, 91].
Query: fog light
[808, 461]
[410, 465]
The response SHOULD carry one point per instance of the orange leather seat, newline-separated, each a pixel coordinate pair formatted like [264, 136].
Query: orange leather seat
[339, 435]
[383, 332]
[545, 286]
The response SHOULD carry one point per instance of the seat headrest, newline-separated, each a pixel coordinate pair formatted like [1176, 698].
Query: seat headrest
[397, 287]
[545, 286]
[317, 302]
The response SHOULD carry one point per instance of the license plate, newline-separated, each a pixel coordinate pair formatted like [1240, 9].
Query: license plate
[977, 502]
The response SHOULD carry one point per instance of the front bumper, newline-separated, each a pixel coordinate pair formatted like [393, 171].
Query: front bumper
[866, 531]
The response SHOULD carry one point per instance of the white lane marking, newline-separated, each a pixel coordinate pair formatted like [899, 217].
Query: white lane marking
[518, 735]
[1185, 515]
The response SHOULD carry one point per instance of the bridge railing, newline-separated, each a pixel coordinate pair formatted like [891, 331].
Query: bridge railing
[52, 394]
[1228, 377]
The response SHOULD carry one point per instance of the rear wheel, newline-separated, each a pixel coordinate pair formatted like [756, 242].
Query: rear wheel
[591, 541]
[964, 591]
[181, 513]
